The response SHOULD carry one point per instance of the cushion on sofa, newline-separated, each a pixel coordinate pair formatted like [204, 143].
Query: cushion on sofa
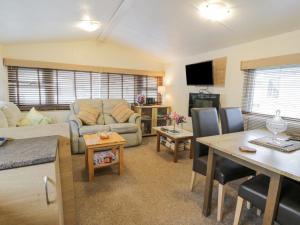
[33, 118]
[93, 129]
[3, 120]
[109, 104]
[11, 112]
[108, 119]
[75, 107]
[121, 112]
[124, 128]
[88, 114]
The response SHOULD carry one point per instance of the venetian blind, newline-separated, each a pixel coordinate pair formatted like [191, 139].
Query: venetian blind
[48, 89]
[268, 90]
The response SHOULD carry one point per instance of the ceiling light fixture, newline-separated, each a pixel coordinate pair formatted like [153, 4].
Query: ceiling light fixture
[214, 10]
[89, 25]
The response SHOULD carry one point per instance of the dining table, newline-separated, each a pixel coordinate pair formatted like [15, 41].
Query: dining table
[271, 162]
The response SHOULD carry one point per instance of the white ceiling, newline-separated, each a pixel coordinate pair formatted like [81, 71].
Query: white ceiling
[166, 28]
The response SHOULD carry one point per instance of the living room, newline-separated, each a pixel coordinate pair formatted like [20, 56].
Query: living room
[122, 82]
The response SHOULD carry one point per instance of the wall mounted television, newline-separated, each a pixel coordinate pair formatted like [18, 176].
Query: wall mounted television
[200, 73]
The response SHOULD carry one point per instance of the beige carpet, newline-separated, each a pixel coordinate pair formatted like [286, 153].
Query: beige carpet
[153, 191]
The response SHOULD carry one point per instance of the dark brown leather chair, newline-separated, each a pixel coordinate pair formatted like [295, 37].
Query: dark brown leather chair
[205, 123]
[256, 191]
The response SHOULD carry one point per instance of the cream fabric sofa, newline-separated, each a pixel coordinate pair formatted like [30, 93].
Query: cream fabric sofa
[130, 130]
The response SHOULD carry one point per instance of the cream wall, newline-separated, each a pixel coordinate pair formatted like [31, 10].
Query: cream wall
[93, 53]
[177, 92]
[2, 76]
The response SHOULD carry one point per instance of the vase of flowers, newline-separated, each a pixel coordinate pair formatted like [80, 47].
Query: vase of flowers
[177, 120]
[140, 99]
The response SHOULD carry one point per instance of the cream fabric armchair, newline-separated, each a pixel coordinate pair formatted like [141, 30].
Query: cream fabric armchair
[130, 130]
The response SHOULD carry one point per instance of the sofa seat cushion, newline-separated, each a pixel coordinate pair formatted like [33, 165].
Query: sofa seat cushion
[124, 128]
[93, 129]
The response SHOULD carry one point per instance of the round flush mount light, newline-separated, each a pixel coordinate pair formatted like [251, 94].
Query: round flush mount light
[89, 25]
[214, 10]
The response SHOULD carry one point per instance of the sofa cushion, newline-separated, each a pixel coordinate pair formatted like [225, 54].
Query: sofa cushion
[11, 112]
[3, 120]
[100, 120]
[124, 128]
[108, 119]
[75, 107]
[93, 129]
[34, 118]
[121, 112]
[109, 104]
[88, 114]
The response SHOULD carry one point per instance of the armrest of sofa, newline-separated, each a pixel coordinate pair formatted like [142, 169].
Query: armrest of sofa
[75, 124]
[75, 120]
[135, 118]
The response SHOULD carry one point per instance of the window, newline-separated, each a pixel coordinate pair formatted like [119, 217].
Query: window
[267, 90]
[49, 89]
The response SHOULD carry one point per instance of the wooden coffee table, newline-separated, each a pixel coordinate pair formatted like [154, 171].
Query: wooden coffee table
[94, 144]
[183, 135]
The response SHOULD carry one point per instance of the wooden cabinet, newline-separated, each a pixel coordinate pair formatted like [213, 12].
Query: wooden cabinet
[152, 116]
[23, 195]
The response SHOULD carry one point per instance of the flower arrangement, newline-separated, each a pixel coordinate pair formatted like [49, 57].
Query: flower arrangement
[140, 99]
[177, 118]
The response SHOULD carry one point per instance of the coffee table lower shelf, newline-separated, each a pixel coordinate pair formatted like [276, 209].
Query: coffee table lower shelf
[103, 165]
[94, 144]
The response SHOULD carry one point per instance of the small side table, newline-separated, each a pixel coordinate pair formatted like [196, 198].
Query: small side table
[183, 135]
[94, 143]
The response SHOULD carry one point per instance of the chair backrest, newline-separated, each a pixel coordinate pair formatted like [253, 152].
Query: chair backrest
[231, 120]
[205, 123]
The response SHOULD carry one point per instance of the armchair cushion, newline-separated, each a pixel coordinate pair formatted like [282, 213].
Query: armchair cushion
[124, 128]
[93, 129]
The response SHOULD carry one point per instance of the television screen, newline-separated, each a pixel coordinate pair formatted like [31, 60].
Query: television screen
[199, 73]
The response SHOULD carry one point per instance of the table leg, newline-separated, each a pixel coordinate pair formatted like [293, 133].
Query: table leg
[121, 160]
[90, 160]
[86, 158]
[210, 174]
[157, 142]
[272, 199]
[175, 150]
[191, 149]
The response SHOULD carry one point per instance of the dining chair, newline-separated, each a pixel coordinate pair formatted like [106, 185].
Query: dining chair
[205, 123]
[231, 120]
[256, 189]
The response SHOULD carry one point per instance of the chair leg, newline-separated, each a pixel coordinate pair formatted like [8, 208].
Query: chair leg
[238, 210]
[248, 204]
[193, 180]
[221, 198]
